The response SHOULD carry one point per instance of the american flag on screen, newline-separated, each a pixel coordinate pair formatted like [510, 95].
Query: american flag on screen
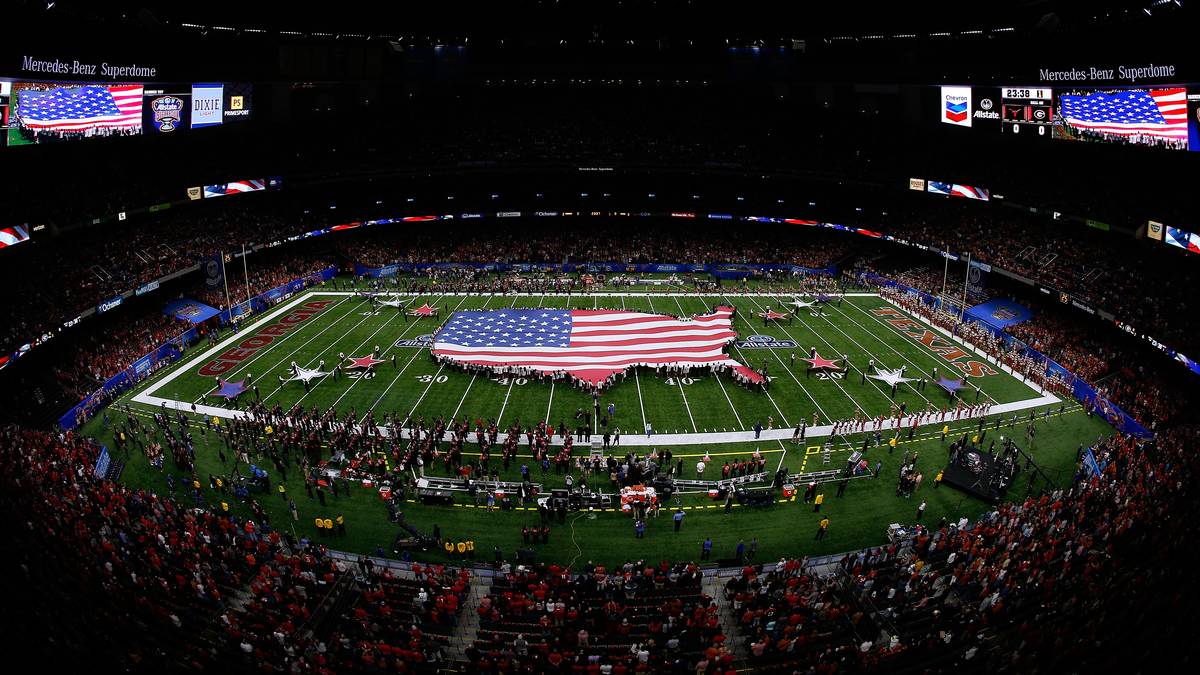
[1160, 113]
[588, 344]
[80, 108]
[236, 187]
[10, 236]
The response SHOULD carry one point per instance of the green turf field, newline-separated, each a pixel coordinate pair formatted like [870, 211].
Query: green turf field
[415, 385]
[691, 406]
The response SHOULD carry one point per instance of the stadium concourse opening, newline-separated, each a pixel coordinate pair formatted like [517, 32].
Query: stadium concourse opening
[618, 337]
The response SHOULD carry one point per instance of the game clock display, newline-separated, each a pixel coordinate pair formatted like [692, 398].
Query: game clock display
[1027, 111]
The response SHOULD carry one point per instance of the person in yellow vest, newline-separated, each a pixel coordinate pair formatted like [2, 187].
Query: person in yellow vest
[449, 546]
[937, 480]
[225, 507]
[818, 502]
[328, 525]
[461, 547]
[891, 444]
[341, 525]
[221, 484]
[269, 430]
[471, 548]
[320, 525]
[282, 491]
[945, 430]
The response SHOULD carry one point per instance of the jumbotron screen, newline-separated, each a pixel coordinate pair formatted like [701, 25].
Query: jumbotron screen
[1162, 116]
[49, 112]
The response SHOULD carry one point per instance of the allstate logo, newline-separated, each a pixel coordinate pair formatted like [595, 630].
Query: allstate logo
[167, 111]
[419, 342]
[766, 342]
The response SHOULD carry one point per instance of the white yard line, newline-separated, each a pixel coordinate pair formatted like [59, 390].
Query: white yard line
[736, 416]
[464, 397]
[789, 372]
[362, 344]
[953, 338]
[717, 377]
[550, 402]
[641, 406]
[273, 345]
[412, 358]
[147, 396]
[679, 382]
[429, 386]
[500, 417]
[835, 355]
[512, 380]
[750, 365]
[868, 352]
[412, 324]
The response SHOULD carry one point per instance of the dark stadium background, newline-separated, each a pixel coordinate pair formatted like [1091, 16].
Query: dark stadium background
[817, 111]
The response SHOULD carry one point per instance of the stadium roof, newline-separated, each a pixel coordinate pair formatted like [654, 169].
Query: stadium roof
[611, 20]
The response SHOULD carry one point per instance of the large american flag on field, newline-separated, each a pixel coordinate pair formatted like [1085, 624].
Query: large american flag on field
[80, 108]
[1159, 113]
[587, 344]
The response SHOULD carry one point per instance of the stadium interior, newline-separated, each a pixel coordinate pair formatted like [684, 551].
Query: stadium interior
[600, 337]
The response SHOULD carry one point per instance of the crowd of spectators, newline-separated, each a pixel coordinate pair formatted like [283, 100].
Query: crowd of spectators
[1143, 388]
[615, 243]
[1023, 586]
[640, 617]
[163, 585]
[172, 584]
[98, 357]
[1067, 342]
[52, 284]
[1142, 283]
[264, 272]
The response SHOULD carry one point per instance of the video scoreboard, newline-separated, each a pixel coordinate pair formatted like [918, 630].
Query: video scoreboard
[1026, 110]
[1162, 116]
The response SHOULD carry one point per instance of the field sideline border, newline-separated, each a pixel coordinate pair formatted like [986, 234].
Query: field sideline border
[146, 397]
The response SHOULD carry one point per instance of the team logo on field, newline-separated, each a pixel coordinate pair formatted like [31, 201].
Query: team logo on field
[766, 342]
[420, 342]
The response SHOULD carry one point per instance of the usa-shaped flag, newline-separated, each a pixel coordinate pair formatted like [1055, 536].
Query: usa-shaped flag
[589, 345]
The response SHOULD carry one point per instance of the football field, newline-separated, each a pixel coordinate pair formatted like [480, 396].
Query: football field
[704, 417]
[330, 327]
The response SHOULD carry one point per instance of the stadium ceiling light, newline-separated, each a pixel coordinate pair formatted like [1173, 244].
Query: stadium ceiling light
[223, 28]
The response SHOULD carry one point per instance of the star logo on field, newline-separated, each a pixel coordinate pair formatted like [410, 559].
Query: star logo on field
[367, 362]
[818, 362]
[423, 310]
[772, 315]
[891, 377]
